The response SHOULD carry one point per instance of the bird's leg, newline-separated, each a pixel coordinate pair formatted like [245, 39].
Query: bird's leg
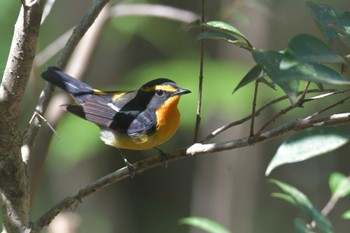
[163, 156]
[128, 165]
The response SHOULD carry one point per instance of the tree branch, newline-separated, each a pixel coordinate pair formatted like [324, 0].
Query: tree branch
[298, 124]
[14, 181]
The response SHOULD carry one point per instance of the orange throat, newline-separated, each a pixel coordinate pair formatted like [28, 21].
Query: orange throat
[168, 118]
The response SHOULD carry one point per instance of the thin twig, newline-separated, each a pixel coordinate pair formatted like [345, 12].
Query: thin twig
[257, 112]
[200, 85]
[299, 103]
[251, 134]
[329, 107]
[302, 97]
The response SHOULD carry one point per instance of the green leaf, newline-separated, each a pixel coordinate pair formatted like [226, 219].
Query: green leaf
[217, 35]
[322, 221]
[308, 144]
[312, 72]
[285, 197]
[301, 226]
[304, 204]
[224, 27]
[204, 224]
[306, 48]
[269, 61]
[255, 73]
[300, 200]
[333, 23]
[339, 185]
[290, 88]
[224, 31]
[346, 215]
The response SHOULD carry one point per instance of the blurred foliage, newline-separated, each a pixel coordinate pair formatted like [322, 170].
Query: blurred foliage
[339, 185]
[311, 214]
[205, 224]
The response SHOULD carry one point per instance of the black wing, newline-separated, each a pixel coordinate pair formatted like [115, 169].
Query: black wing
[121, 114]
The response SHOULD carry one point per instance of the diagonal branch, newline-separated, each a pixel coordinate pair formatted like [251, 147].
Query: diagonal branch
[194, 150]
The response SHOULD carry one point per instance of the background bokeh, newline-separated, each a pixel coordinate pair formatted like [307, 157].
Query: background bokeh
[228, 187]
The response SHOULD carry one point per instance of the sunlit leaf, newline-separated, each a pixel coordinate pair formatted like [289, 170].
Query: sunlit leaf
[339, 185]
[224, 31]
[305, 48]
[308, 144]
[224, 27]
[204, 224]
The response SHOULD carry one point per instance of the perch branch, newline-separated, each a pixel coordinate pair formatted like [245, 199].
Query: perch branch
[194, 150]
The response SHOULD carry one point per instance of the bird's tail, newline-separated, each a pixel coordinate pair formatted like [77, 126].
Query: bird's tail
[74, 87]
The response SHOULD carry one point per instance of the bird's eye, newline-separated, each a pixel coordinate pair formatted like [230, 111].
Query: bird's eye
[159, 92]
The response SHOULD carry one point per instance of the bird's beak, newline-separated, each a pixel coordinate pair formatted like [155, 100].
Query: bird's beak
[181, 91]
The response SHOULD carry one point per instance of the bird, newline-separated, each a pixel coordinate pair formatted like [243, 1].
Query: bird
[136, 120]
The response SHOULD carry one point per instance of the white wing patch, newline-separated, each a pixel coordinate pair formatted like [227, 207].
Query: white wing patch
[112, 106]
